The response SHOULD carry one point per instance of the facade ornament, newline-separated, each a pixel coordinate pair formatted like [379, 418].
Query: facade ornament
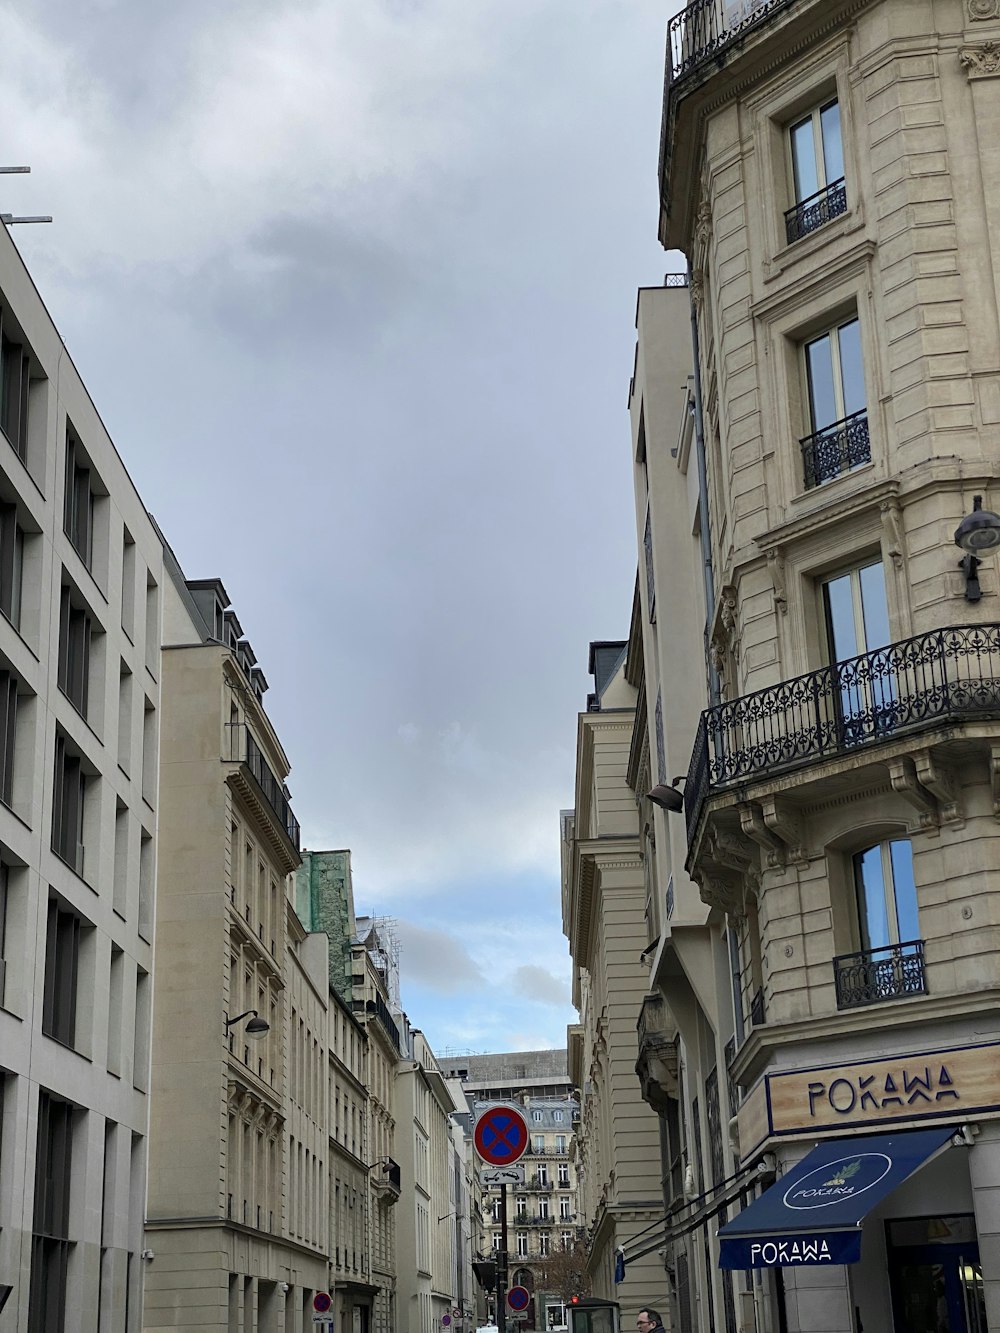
[697, 288]
[983, 9]
[980, 61]
[776, 567]
[703, 223]
[892, 528]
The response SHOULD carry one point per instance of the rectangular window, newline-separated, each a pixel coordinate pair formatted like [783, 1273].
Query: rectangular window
[735, 974]
[522, 1244]
[11, 563]
[8, 733]
[4, 898]
[78, 500]
[116, 1002]
[50, 1244]
[62, 962]
[564, 1207]
[563, 1173]
[128, 583]
[560, 1143]
[543, 1244]
[838, 413]
[69, 790]
[145, 922]
[857, 623]
[647, 546]
[543, 1174]
[15, 381]
[124, 717]
[567, 1239]
[817, 155]
[543, 1208]
[75, 631]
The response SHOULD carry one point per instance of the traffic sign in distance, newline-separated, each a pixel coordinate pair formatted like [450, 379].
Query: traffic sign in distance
[446, 1319]
[501, 1135]
[519, 1298]
[322, 1302]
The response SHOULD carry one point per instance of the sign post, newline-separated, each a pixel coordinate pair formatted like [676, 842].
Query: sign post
[322, 1309]
[500, 1139]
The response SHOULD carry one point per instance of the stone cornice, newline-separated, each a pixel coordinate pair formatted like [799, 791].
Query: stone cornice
[981, 61]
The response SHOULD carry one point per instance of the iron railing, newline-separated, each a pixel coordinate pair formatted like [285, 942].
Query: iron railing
[950, 674]
[244, 749]
[706, 28]
[873, 975]
[757, 1018]
[382, 1012]
[675, 279]
[835, 449]
[815, 210]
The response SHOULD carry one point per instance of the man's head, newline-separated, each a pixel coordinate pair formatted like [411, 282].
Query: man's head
[646, 1320]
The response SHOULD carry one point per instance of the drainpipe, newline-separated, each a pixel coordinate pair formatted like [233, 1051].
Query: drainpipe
[705, 532]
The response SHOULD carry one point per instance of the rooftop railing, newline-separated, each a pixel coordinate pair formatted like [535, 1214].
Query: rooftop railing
[706, 28]
[243, 748]
[946, 675]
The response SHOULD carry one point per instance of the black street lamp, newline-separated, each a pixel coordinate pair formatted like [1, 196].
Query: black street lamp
[256, 1028]
[977, 532]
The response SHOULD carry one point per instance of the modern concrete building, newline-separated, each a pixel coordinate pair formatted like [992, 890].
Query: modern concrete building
[80, 584]
[605, 906]
[823, 976]
[237, 1214]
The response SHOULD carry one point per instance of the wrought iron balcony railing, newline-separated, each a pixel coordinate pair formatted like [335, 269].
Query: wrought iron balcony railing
[874, 975]
[707, 28]
[815, 210]
[948, 674]
[244, 749]
[835, 449]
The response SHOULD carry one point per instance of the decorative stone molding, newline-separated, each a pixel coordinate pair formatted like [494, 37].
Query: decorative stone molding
[703, 223]
[697, 287]
[983, 9]
[892, 525]
[776, 568]
[981, 62]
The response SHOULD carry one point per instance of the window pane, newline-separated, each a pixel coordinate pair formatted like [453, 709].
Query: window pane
[905, 890]
[804, 159]
[852, 371]
[822, 398]
[833, 150]
[840, 619]
[873, 604]
[872, 919]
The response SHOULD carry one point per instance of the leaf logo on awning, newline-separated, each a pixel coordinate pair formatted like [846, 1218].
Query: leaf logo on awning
[845, 1174]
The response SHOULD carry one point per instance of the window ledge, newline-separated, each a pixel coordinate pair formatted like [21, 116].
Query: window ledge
[73, 870]
[92, 577]
[67, 1047]
[864, 472]
[27, 470]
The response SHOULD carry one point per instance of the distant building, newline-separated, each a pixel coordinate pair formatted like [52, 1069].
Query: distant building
[542, 1215]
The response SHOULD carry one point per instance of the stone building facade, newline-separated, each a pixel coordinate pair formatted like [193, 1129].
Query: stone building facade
[604, 905]
[823, 962]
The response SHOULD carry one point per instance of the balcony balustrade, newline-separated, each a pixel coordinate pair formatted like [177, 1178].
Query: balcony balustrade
[947, 675]
[835, 449]
[874, 975]
[706, 28]
[815, 210]
[244, 749]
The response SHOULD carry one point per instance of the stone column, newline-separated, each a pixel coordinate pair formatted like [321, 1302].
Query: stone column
[818, 1299]
[984, 1173]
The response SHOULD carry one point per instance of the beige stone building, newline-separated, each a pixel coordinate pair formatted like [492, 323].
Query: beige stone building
[80, 584]
[823, 970]
[605, 907]
[237, 1213]
[425, 1257]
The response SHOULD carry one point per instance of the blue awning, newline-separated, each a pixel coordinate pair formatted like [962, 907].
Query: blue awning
[813, 1214]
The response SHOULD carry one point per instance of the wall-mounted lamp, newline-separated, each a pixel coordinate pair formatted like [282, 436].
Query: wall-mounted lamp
[444, 1215]
[977, 532]
[668, 798]
[256, 1028]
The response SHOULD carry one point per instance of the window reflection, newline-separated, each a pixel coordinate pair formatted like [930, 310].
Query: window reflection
[886, 895]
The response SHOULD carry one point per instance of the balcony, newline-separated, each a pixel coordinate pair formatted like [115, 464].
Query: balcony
[657, 1062]
[244, 749]
[706, 29]
[894, 693]
[874, 975]
[835, 449]
[815, 211]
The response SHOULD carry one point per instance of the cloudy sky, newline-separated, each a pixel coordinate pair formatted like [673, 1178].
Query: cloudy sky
[352, 283]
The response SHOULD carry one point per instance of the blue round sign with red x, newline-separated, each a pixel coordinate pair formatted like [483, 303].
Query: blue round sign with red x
[501, 1135]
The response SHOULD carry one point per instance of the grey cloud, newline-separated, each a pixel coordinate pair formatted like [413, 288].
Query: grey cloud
[437, 960]
[537, 983]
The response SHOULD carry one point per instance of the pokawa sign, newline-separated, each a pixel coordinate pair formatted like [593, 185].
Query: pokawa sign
[870, 1092]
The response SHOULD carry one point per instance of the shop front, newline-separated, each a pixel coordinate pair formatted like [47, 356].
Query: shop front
[885, 1209]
